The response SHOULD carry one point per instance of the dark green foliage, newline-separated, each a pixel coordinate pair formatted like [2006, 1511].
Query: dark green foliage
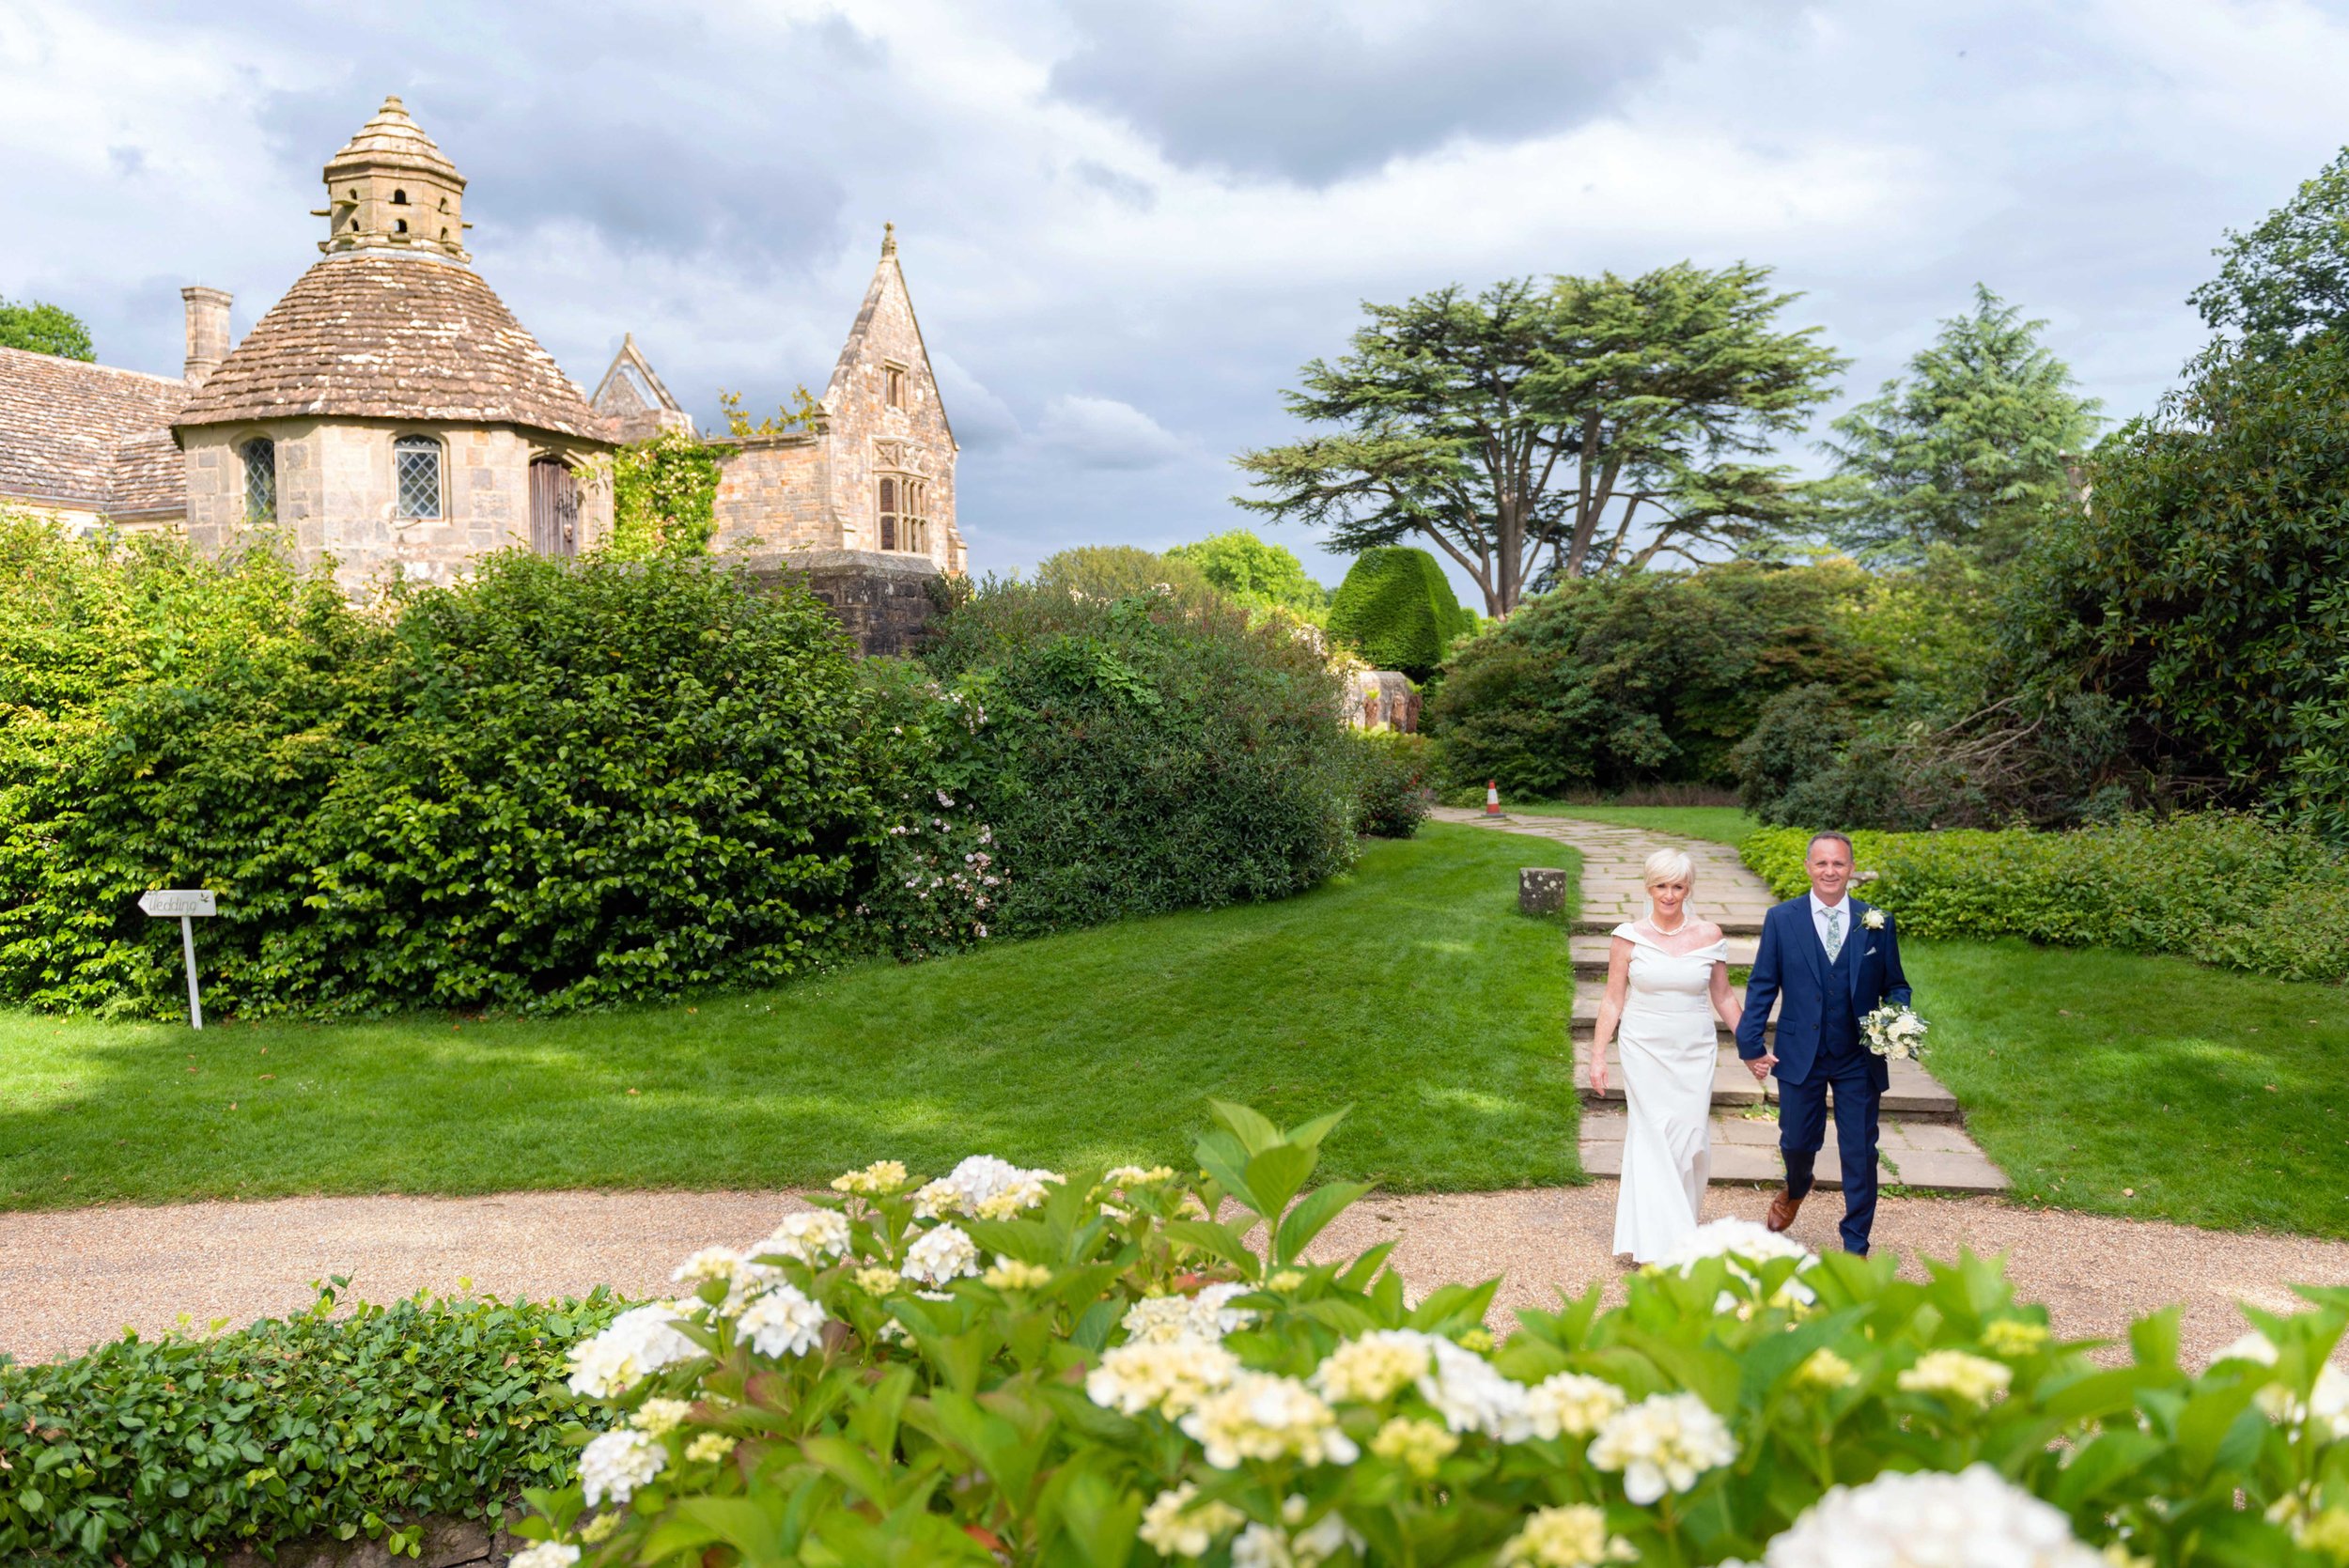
[1392, 772]
[1396, 611]
[1146, 755]
[178, 1451]
[44, 329]
[1608, 682]
[664, 494]
[2289, 276]
[1541, 431]
[2203, 592]
[1969, 449]
[555, 785]
[1112, 571]
[2223, 889]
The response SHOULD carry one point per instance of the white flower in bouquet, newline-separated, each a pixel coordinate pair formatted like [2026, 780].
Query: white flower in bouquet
[1895, 1032]
[1662, 1444]
[783, 1322]
[1565, 1405]
[1574, 1536]
[1263, 1417]
[632, 1347]
[613, 1465]
[941, 1256]
[1958, 1377]
[1931, 1520]
[1175, 1526]
[810, 1238]
[1170, 1377]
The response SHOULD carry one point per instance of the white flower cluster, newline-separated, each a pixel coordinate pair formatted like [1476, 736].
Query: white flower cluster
[939, 1255]
[783, 1321]
[743, 1278]
[1286, 1545]
[1574, 1536]
[1895, 1032]
[546, 1554]
[1170, 1377]
[2326, 1411]
[1203, 1316]
[634, 1345]
[1960, 1379]
[1662, 1444]
[1736, 1239]
[813, 1238]
[1258, 1416]
[1175, 1525]
[613, 1466]
[1931, 1520]
[1375, 1367]
[984, 1188]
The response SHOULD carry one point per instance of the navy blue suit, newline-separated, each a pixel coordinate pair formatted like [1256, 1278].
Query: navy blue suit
[1818, 1046]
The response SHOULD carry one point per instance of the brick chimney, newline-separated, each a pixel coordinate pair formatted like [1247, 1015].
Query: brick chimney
[207, 331]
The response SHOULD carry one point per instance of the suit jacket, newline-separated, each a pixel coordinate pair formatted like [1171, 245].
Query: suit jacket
[1790, 969]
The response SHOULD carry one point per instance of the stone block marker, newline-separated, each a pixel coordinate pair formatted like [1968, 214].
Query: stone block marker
[1541, 890]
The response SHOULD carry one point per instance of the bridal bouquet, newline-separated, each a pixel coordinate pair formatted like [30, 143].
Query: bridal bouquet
[1896, 1033]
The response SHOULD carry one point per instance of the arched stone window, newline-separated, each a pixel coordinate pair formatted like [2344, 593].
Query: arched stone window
[261, 482]
[399, 199]
[416, 478]
[399, 226]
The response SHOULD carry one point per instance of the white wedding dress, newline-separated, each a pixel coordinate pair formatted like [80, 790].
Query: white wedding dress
[1669, 1053]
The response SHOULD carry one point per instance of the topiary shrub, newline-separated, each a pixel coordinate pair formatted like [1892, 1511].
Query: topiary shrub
[1141, 754]
[1397, 611]
[1113, 1367]
[348, 1421]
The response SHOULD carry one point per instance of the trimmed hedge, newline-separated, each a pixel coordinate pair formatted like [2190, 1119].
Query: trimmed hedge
[178, 1450]
[1396, 609]
[2225, 888]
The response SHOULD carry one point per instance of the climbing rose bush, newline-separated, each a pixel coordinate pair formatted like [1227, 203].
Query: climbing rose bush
[1104, 1367]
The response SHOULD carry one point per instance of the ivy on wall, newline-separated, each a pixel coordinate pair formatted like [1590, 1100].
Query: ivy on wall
[665, 496]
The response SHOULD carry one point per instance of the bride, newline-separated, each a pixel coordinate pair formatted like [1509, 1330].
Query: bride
[1667, 978]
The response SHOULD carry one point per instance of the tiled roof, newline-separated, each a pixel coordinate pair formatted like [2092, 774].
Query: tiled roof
[379, 336]
[67, 428]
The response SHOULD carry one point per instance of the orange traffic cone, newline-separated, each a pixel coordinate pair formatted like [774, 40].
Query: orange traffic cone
[1492, 796]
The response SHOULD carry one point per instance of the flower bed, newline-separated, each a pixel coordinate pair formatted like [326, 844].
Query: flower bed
[1098, 1368]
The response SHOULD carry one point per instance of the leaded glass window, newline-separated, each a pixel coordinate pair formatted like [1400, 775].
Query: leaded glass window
[417, 476]
[261, 482]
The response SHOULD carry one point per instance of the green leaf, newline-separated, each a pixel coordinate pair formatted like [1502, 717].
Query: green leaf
[1312, 1216]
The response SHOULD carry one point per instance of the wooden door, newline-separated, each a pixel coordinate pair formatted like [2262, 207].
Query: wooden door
[554, 507]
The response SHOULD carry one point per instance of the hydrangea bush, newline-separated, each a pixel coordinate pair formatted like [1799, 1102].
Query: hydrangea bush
[1118, 1367]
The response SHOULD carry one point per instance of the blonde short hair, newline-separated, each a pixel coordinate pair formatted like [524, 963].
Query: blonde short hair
[1668, 865]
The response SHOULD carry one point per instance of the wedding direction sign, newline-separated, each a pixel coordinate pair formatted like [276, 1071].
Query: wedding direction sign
[185, 902]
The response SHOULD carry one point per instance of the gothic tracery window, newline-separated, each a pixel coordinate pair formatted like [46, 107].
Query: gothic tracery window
[416, 477]
[261, 482]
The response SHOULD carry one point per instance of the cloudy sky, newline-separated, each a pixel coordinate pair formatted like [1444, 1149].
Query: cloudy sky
[1127, 224]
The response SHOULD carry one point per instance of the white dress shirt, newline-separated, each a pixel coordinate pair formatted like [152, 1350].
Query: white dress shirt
[1819, 907]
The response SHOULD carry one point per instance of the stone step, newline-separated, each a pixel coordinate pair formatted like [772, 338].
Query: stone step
[1587, 998]
[1598, 919]
[1913, 1094]
[1590, 953]
[1928, 1156]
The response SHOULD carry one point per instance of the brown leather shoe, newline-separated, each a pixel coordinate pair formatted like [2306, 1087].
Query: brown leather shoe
[1783, 1206]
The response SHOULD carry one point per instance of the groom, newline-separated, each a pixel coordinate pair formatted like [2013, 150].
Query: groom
[1830, 960]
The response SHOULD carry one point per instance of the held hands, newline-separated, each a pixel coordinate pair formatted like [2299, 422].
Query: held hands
[1761, 1066]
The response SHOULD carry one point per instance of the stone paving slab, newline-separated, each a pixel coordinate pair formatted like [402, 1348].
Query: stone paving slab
[1912, 1094]
[1590, 953]
[1745, 1150]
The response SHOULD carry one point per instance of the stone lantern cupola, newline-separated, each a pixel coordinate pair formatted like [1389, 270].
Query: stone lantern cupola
[391, 187]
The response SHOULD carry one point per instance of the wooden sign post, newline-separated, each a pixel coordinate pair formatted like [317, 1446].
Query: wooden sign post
[185, 902]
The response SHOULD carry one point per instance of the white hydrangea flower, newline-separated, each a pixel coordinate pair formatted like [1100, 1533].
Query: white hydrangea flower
[1574, 1536]
[983, 1187]
[634, 1345]
[710, 1263]
[2325, 1409]
[1170, 1377]
[657, 1418]
[1203, 1316]
[709, 1447]
[783, 1322]
[613, 1465]
[1823, 1369]
[1420, 1447]
[1013, 1274]
[941, 1256]
[2254, 1346]
[1565, 1405]
[1957, 1377]
[1469, 1393]
[1134, 1175]
[1931, 1520]
[1662, 1444]
[881, 1176]
[1731, 1238]
[1175, 1526]
[1286, 1545]
[546, 1554]
[2012, 1337]
[1375, 1367]
[1259, 1416]
[810, 1238]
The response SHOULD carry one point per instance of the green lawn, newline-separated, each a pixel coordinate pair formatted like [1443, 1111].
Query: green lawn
[2220, 1098]
[1411, 988]
[1721, 824]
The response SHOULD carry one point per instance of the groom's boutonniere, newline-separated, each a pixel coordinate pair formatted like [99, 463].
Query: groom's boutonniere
[1872, 920]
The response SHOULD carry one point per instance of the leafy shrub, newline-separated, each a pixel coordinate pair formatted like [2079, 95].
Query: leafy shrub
[1114, 571]
[1393, 775]
[1240, 566]
[665, 496]
[1008, 1365]
[2226, 889]
[553, 785]
[1398, 611]
[1141, 754]
[937, 872]
[180, 1450]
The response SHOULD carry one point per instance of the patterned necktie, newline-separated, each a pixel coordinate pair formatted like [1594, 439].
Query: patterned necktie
[1834, 934]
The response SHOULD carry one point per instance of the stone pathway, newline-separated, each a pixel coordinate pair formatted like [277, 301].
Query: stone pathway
[1923, 1143]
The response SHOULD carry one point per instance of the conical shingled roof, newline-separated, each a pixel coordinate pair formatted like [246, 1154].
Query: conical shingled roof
[392, 137]
[378, 335]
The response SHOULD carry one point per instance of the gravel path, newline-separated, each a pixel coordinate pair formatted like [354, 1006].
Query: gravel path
[69, 1280]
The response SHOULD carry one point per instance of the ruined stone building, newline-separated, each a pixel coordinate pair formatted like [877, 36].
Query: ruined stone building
[389, 415]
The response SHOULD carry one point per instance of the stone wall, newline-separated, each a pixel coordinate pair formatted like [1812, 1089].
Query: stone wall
[446, 1544]
[883, 599]
[771, 496]
[1384, 699]
[870, 436]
